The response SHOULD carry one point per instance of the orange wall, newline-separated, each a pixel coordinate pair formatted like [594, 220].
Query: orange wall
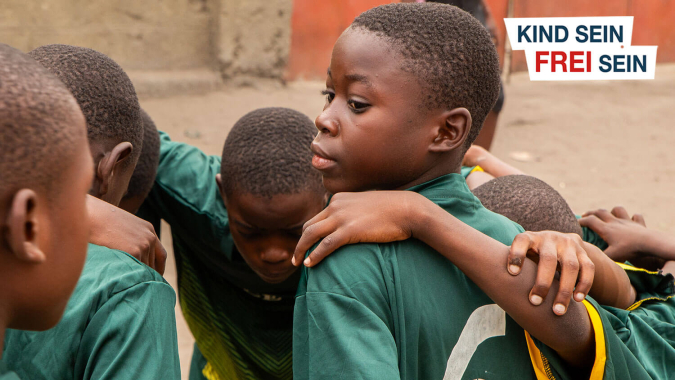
[316, 25]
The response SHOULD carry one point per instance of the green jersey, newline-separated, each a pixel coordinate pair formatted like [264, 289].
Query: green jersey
[241, 324]
[402, 311]
[119, 324]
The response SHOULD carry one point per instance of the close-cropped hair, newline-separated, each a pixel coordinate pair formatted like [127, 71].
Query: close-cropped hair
[146, 169]
[39, 123]
[448, 50]
[267, 153]
[102, 89]
[530, 202]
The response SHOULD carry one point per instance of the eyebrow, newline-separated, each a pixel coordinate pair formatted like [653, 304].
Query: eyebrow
[244, 224]
[354, 78]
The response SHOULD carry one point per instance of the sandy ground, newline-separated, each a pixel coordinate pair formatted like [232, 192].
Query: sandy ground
[600, 144]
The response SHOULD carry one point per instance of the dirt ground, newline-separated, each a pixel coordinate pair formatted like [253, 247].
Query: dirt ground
[600, 144]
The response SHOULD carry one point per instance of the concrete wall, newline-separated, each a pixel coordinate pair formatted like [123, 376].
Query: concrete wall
[239, 37]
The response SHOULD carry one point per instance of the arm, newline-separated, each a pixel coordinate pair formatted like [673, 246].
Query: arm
[482, 260]
[133, 336]
[492, 165]
[115, 228]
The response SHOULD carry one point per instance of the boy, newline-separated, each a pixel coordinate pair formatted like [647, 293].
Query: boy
[120, 321]
[235, 222]
[146, 169]
[45, 166]
[399, 310]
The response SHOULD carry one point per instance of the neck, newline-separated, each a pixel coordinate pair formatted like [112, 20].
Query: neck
[442, 166]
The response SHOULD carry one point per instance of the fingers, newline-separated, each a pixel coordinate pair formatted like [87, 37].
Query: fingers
[311, 234]
[569, 271]
[593, 222]
[548, 263]
[638, 218]
[586, 273]
[517, 253]
[160, 257]
[327, 246]
[620, 212]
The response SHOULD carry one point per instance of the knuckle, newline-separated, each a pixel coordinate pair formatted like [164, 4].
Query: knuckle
[564, 294]
[328, 241]
[571, 264]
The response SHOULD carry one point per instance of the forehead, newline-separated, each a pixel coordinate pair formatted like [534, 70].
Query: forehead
[360, 55]
[280, 211]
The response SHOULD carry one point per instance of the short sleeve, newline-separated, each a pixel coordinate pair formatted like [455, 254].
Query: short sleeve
[342, 322]
[613, 359]
[132, 336]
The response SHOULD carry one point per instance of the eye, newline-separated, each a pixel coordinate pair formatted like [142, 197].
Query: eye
[329, 95]
[357, 106]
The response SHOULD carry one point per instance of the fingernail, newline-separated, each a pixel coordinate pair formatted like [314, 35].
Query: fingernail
[579, 297]
[559, 309]
[536, 300]
[307, 262]
[293, 260]
[514, 269]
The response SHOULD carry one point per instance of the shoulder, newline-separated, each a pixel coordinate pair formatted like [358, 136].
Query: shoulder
[112, 271]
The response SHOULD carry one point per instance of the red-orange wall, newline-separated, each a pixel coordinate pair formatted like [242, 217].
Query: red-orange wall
[316, 25]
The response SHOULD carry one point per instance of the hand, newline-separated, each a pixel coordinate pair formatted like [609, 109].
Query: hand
[555, 251]
[367, 217]
[115, 228]
[474, 155]
[624, 235]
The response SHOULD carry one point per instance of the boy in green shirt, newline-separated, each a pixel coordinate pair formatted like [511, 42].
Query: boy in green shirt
[120, 321]
[399, 310]
[46, 171]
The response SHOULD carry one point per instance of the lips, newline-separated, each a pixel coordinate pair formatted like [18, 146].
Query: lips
[321, 160]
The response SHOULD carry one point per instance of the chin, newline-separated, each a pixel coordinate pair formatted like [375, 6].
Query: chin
[335, 186]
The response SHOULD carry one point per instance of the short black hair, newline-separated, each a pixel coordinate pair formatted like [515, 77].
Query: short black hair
[102, 89]
[530, 202]
[449, 51]
[146, 169]
[39, 121]
[267, 153]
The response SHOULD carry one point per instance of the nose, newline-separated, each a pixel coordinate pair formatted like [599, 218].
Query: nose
[274, 255]
[327, 123]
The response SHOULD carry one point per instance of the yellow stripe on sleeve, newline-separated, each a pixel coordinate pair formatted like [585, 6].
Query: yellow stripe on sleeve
[541, 366]
[476, 168]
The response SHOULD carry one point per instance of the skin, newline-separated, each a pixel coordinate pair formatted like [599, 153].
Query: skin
[368, 123]
[45, 245]
[266, 230]
[365, 107]
[114, 166]
[132, 204]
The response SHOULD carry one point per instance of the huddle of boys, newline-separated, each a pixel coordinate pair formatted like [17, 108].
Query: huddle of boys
[426, 292]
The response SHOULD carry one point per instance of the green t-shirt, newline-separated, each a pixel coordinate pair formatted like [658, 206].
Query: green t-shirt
[242, 325]
[591, 237]
[401, 310]
[119, 324]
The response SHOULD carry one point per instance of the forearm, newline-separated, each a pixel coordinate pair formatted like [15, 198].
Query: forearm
[658, 244]
[493, 165]
[483, 260]
[611, 285]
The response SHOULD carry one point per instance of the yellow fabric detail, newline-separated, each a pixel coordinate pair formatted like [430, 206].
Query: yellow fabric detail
[210, 373]
[535, 356]
[541, 366]
[477, 168]
[634, 269]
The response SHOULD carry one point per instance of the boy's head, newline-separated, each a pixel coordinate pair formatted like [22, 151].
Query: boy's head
[529, 202]
[108, 100]
[146, 169]
[45, 173]
[408, 89]
[269, 187]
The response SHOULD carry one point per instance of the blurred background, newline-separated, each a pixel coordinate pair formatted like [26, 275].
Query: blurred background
[199, 65]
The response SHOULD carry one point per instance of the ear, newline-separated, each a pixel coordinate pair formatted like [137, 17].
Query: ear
[219, 181]
[111, 162]
[454, 127]
[22, 227]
